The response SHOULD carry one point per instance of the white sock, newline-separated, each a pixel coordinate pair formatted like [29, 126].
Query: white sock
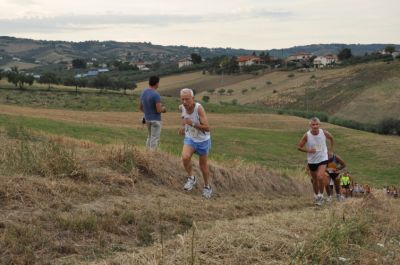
[320, 195]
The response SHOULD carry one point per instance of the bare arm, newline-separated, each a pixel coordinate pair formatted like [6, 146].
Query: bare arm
[330, 138]
[160, 108]
[141, 106]
[341, 162]
[301, 145]
[203, 125]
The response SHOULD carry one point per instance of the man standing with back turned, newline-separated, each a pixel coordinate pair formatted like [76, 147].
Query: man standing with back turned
[150, 104]
[314, 144]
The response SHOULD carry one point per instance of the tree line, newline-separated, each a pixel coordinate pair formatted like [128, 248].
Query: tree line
[101, 81]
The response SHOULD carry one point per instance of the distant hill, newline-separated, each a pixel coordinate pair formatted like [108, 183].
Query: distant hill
[45, 52]
[334, 48]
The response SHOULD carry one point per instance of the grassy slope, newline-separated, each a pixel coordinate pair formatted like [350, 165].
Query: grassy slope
[170, 85]
[76, 202]
[349, 92]
[370, 157]
[366, 93]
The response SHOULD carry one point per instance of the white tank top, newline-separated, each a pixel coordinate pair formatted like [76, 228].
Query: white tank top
[195, 134]
[318, 142]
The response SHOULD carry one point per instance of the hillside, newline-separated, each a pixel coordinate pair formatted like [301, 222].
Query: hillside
[265, 139]
[366, 93]
[68, 201]
[44, 52]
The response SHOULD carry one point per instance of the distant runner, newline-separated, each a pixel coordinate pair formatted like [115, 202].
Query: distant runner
[335, 165]
[197, 139]
[314, 144]
[346, 182]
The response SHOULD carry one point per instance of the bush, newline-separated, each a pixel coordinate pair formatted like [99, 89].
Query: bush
[269, 83]
[221, 91]
[290, 75]
[389, 126]
[244, 91]
[206, 98]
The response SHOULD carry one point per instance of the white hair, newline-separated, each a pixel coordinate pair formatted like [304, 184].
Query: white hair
[187, 91]
[315, 119]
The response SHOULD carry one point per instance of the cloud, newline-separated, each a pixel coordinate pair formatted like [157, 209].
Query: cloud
[21, 2]
[85, 22]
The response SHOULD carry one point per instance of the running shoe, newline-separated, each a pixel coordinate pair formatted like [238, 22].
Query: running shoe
[191, 181]
[207, 192]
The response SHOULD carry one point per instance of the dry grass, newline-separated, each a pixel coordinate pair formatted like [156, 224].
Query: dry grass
[171, 85]
[117, 206]
[351, 231]
[170, 119]
[132, 200]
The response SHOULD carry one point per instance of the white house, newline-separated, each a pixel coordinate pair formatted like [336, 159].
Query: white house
[325, 60]
[184, 62]
[299, 56]
[141, 65]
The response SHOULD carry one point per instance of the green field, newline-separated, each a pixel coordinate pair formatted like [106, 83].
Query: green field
[371, 158]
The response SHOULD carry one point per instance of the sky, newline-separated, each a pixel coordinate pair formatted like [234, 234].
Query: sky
[248, 24]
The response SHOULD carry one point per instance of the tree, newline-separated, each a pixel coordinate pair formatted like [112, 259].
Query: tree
[79, 63]
[230, 91]
[211, 90]
[221, 91]
[206, 98]
[390, 49]
[344, 54]
[102, 82]
[48, 78]
[196, 59]
[125, 84]
[18, 78]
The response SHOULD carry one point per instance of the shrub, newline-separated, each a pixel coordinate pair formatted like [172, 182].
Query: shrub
[244, 91]
[221, 91]
[389, 126]
[269, 83]
[290, 75]
[206, 98]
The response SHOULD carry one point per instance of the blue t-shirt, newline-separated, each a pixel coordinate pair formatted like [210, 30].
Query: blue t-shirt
[149, 98]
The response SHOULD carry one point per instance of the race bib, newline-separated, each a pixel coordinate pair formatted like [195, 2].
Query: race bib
[193, 132]
[318, 147]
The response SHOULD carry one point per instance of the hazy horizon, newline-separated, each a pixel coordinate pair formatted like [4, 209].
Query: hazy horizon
[245, 24]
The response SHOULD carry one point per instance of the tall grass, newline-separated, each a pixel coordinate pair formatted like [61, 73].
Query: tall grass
[355, 236]
[30, 155]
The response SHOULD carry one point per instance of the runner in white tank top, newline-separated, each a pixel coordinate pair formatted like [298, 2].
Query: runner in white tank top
[193, 132]
[197, 140]
[314, 144]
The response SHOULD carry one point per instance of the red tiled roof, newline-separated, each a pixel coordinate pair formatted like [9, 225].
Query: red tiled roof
[246, 58]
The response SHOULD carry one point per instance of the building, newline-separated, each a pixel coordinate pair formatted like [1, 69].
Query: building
[184, 62]
[249, 60]
[141, 65]
[299, 56]
[324, 61]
